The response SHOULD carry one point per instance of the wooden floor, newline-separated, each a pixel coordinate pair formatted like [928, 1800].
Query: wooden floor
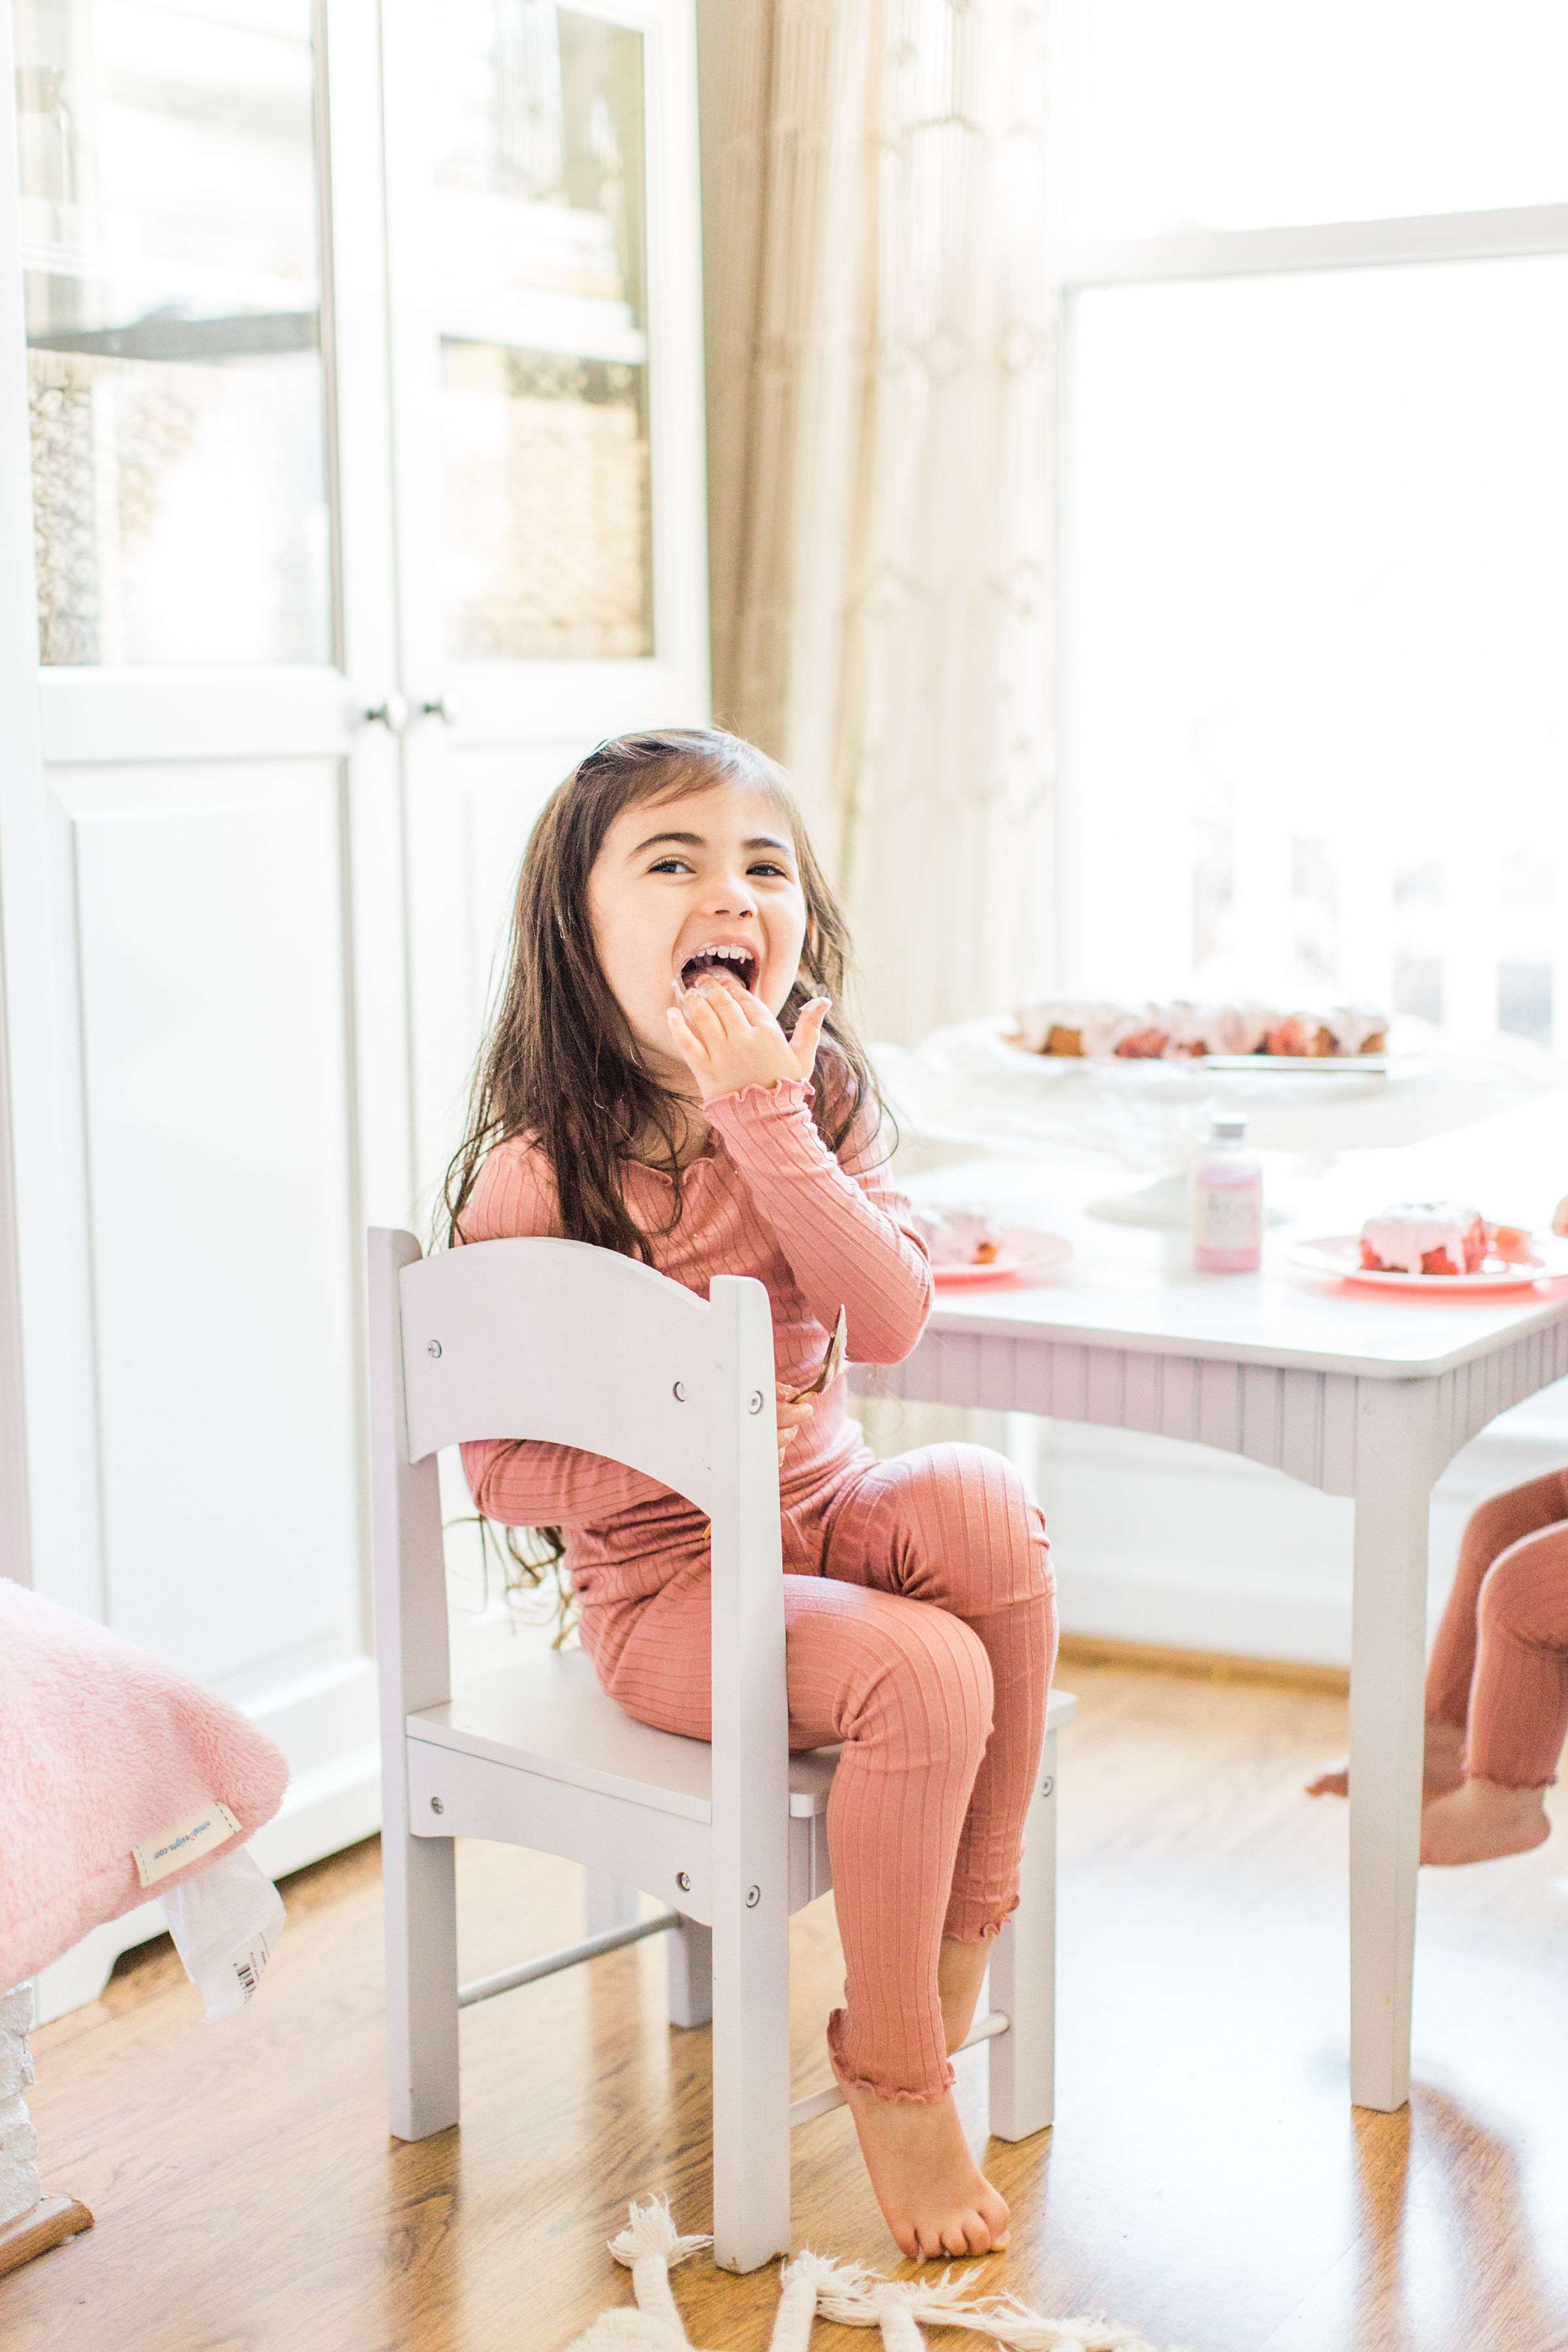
[1206, 2179]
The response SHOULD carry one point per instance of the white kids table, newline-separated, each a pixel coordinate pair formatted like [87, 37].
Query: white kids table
[1364, 1393]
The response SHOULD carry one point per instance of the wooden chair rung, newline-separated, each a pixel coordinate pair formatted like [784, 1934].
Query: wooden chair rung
[566, 1956]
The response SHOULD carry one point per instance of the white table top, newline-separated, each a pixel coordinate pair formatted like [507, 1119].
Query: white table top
[1127, 1288]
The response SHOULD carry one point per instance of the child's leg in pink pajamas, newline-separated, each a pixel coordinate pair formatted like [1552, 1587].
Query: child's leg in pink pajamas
[1519, 1696]
[1494, 1525]
[906, 1689]
[925, 1819]
[956, 1526]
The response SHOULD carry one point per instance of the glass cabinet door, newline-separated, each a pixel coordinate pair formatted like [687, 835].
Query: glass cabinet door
[547, 399]
[201, 840]
[540, 258]
[171, 248]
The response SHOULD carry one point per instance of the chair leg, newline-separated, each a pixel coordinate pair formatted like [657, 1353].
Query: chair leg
[690, 1959]
[1023, 1976]
[419, 1890]
[750, 2085]
[606, 1902]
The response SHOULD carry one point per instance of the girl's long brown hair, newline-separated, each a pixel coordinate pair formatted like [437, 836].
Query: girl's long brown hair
[560, 1062]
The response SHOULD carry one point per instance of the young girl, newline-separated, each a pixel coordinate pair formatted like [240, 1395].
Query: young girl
[638, 1092]
[1497, 1686]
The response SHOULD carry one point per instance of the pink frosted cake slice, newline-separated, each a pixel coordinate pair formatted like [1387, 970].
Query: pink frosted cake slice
[1425, 1238]
[958, 1237]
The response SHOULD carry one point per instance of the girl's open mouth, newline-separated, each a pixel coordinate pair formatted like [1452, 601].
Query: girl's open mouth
[727, 965]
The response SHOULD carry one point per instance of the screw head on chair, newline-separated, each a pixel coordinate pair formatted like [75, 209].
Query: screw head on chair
[437, 1806]
[753, 1896]
[434, 1349]
[754, 1401]
[678, 1392]
[683, 1880]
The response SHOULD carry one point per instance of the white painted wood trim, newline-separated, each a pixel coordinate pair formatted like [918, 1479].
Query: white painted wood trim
[689, 1974]
[45, 1513]
[656, 1796]
[1296, 1419]
[1387, 1668]
[479, 1362]
[1505, 232]
[750, 1790]
[1066, 1316]
[626, 1837]
[1023, 1973]
[418, 1878]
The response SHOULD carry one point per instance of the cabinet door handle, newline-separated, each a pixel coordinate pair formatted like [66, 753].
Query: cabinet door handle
[446, 707]
[393, 714]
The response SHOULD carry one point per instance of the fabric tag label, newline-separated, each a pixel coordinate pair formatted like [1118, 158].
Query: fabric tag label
[155, 1857]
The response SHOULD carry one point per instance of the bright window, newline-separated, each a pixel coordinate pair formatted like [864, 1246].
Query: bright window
[1316, 515]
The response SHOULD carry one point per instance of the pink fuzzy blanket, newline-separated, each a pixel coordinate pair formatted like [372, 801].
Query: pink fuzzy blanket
[103, 1746]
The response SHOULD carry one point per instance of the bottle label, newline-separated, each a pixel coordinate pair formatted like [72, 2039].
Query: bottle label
[1228, 1216]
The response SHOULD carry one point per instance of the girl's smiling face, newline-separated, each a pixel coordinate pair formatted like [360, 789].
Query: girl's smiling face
[705, 881]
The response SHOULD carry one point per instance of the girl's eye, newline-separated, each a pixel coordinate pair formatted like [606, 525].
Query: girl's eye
[669, 865]
[780, 872]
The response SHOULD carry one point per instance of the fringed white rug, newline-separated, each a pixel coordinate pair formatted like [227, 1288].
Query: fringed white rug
[650, 2246]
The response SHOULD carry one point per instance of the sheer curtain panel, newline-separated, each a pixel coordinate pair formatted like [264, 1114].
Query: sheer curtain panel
[882, 400]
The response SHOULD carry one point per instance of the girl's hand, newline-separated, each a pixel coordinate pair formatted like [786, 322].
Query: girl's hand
[794, 1412]
[729, 1041]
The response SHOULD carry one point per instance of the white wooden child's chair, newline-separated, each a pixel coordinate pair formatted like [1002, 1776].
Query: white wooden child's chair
[553, 1341]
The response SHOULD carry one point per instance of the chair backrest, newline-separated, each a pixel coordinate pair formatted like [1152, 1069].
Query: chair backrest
[551, 1340]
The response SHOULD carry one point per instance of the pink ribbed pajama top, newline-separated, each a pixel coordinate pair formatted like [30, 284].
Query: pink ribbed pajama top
[918, 1599]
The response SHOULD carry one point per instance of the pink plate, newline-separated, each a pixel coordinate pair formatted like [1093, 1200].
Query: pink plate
[1339, 1256]
[1024, 1254]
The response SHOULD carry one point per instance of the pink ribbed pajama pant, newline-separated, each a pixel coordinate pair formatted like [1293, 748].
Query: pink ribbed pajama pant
[1500, 1665]
[920, 1624]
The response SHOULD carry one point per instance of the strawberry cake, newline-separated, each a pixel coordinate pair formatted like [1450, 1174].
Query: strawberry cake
[958, 1237]
[1425, 1238]
[1179, 1030]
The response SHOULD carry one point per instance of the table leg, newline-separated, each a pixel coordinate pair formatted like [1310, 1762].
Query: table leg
[1394, 1470]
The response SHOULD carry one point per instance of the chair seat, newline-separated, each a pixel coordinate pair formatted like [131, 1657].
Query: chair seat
[548, 1715]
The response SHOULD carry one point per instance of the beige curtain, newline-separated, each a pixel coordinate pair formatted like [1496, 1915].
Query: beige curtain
[881, 468]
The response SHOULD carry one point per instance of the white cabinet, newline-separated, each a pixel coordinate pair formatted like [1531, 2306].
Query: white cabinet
[547, 414]
[351, 486]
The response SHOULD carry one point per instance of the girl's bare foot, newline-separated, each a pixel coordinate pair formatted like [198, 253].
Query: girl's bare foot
[1443, 1766]
[933, 2196]
[960, 1972]
[1479, 1821]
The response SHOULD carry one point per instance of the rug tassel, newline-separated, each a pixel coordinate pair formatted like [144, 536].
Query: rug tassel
[897, 2306]
[649, 2246]
[814, 2283]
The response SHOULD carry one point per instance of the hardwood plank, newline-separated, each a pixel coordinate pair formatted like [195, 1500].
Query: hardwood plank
[1206, 2179]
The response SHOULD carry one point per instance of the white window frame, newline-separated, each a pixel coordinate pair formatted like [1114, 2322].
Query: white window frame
[1085, 265]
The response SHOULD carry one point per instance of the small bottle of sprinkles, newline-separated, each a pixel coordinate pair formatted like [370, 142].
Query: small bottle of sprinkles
[1227, 1202]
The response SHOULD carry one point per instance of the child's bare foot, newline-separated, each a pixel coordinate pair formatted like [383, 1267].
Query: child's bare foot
[960, 1972]
[1479, 1821]
[1443, 1767]
[933, 2196]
